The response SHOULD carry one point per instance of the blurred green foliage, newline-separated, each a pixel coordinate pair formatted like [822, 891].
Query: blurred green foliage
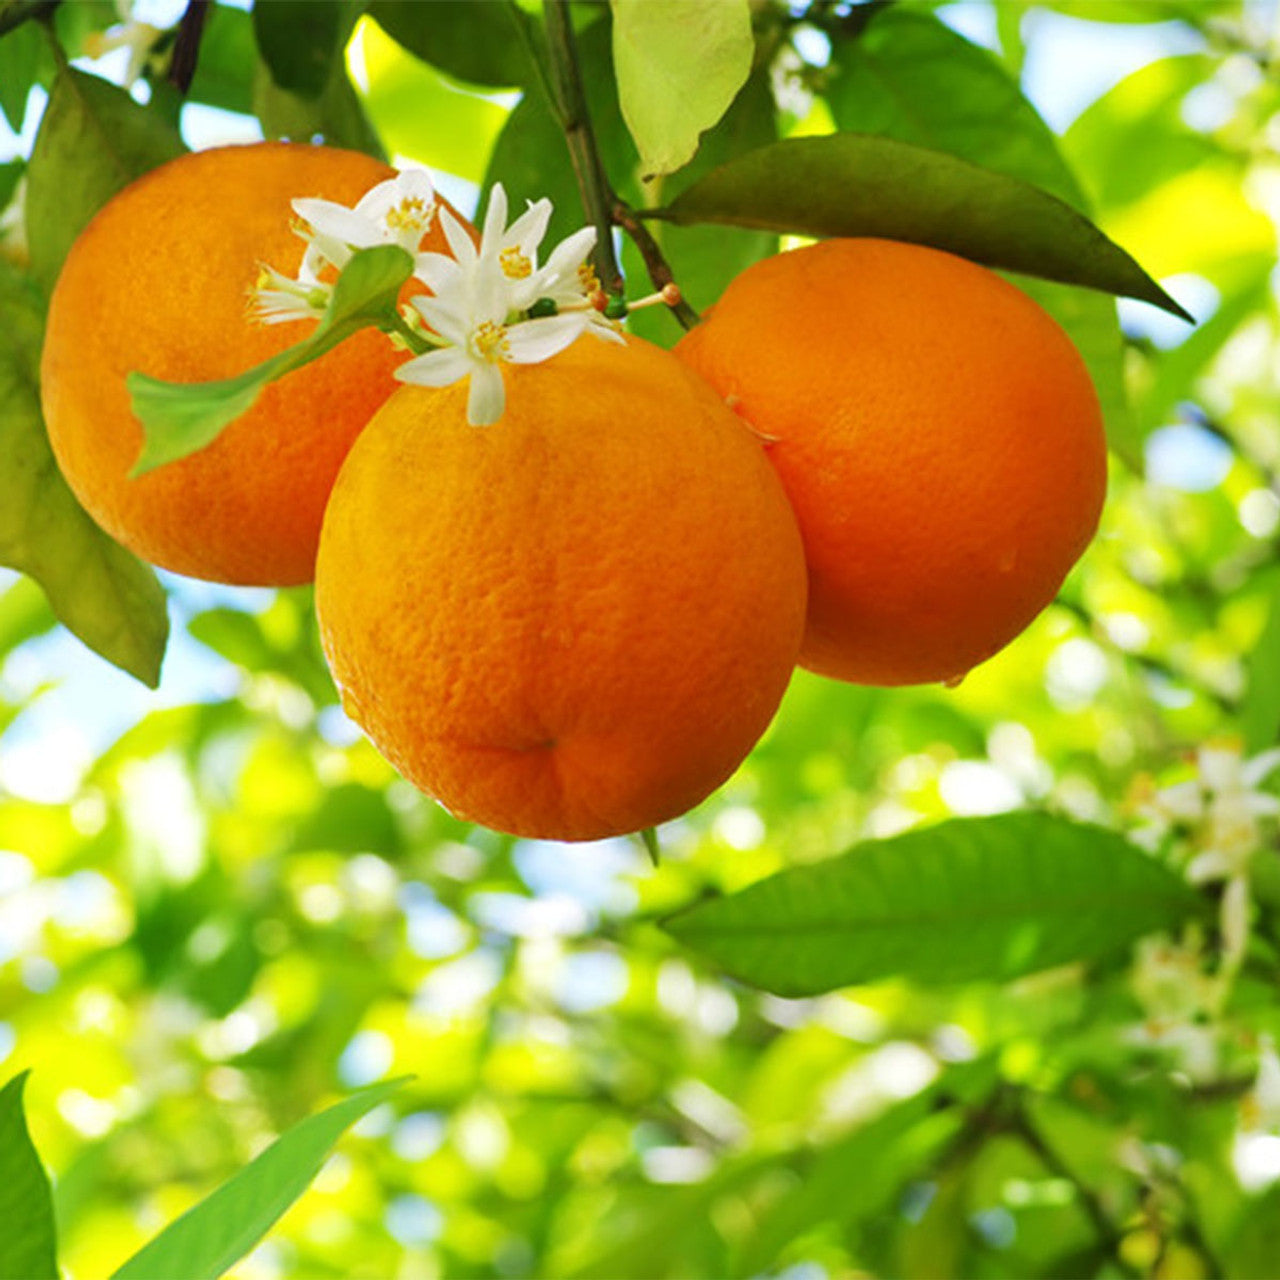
[219, 908]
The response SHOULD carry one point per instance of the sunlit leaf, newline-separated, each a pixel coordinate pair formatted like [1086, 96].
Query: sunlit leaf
[180, 417]
[222, 1228]
[679, 66]
[855, 185]
[93, 140]
[28, 1242]
[1260, 708]
[979, 898]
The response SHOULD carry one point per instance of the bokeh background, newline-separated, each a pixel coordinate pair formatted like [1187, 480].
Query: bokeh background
[219, 907]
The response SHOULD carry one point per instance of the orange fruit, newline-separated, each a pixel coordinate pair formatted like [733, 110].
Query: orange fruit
[576, 622]
[160, 282]
[939, 438]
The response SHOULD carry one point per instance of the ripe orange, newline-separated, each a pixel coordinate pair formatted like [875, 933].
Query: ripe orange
[160, 282]
[576, 622]
[939, 438]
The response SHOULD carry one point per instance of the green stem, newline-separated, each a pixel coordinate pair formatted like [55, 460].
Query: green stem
[655, 263]
[418, 343]
[571, 106]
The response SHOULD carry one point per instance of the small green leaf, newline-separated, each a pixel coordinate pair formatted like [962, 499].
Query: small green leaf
[649, 838]
[222, 1228]
[969, 899]
[98, 590]
[224, 71]
[473, 41]
[28, 1242]
[857, 185]
[179, 418]
[679, 66]
[93, 140]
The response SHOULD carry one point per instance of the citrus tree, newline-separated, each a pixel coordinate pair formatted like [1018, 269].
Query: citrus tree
[968, 968]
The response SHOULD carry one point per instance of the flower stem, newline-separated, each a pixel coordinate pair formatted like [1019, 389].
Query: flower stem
[655, 263]
[575, 120]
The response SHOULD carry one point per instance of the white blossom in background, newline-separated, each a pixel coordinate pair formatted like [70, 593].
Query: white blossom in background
[1226, 809]
[481, 297]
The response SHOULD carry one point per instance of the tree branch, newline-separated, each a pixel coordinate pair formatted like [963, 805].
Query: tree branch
[186, 45]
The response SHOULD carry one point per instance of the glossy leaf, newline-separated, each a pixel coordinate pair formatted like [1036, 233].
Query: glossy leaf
[28, 1243]
[93, 140]
[180, 417]
[221, 1229]
[909, 76]
[473, 40]
[228, 53]
[336, 117]
[100, 591]
[855, 185]
[301, 42]
[679, 66]
[969, 899]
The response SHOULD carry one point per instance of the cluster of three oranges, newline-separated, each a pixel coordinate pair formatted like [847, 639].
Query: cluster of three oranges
[875, 458]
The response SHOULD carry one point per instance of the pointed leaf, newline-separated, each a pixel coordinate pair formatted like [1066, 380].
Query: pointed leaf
[473, 42]
[181, 417]
[679, 66]
[93, 140]
[857, 185]
[28, 1242]
[970, 899]
[221, 1229]
[101, 592]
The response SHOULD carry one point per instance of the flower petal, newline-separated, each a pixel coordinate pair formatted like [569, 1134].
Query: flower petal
[437, 368]
[495, 221]
[439, 272]
[535, 340]
[447, 320]
[487, 397]
[460, 243]
[338, 222]
[1261, 766]
[528, 230]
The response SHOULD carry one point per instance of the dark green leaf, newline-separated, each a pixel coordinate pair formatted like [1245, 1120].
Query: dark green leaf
[100, 591]
[224, 72]
[302, 41]
[21, 53]
[93, 140]
[911, 77]
[28, 1243]
[474, 40]
[976, 898]
[181, 417]
[221, 1229]
[10, 175]
[854, 185]
[336, 116]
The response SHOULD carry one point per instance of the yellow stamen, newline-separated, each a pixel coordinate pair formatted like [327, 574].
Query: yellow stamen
[515, 265]
[413, 213]
[490, 342]
[588, 279]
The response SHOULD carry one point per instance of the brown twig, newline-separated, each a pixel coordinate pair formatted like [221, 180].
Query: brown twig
[186, 45]
[654, 261]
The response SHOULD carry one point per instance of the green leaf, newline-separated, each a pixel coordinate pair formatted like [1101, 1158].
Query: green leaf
[99, 591]
[224, 72]
[473, 40]
[911, 77]
[969, 899]
[93, 140]
[180, 417]
[679, 66]
[22, 52]
[855, 185]
[221, 1229]
[302, 41]
[10, 175]
[28, 1243]
[337, 116]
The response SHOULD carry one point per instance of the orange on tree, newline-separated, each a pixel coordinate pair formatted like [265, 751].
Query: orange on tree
[160, 281]
[939, 438]
[572, 623]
